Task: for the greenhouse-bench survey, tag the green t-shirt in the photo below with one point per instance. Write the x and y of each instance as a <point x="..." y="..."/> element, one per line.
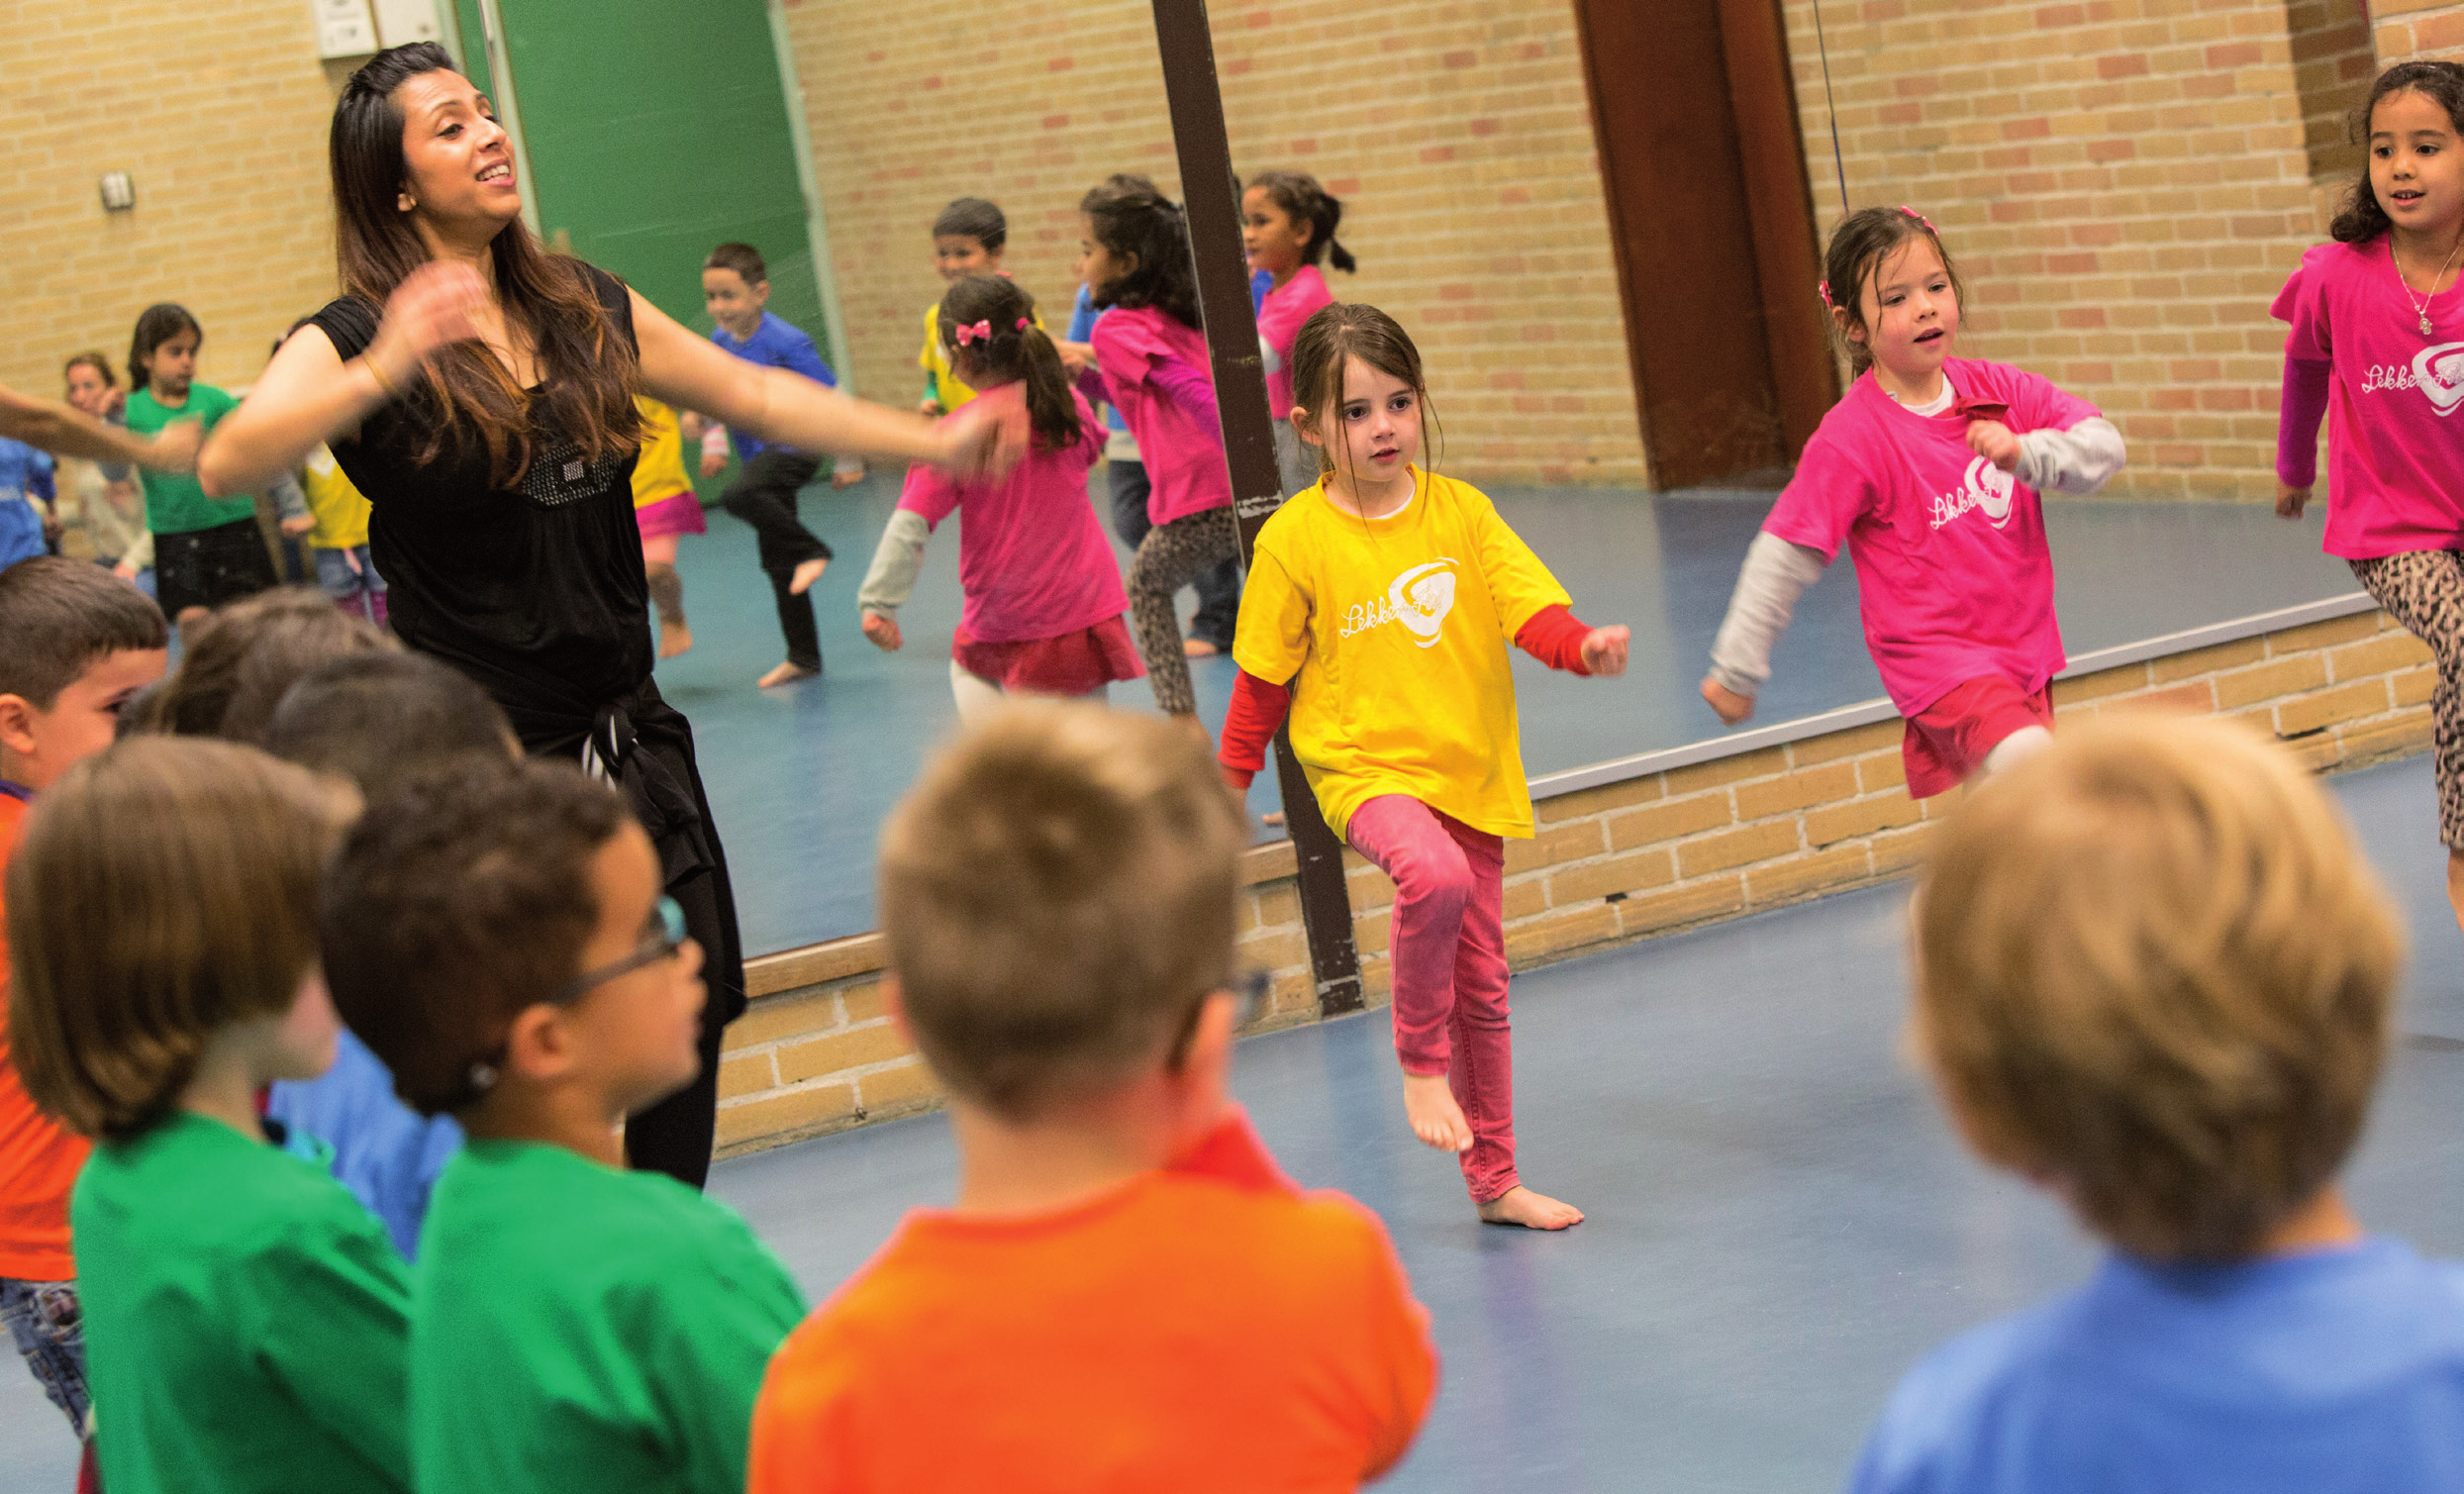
<point x="246" y="1320"/>
<point x="175" y="501"/>
<point x="578" y="1327"/>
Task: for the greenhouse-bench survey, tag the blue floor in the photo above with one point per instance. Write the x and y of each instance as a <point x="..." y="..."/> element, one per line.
<point x="1779" y="1221"/>
<point x="801" y="779"/>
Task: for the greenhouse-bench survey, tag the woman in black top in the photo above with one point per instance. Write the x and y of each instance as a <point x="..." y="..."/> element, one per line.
<point x="479" y="393"/>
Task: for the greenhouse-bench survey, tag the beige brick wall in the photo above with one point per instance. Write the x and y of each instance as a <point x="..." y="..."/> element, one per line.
<point x="2409" y="29"/>
<point x="218" y="108"/>
<point x="1457" y="133"/>
<point x="1619" y="863"/>
<point x="2125" y="182"/>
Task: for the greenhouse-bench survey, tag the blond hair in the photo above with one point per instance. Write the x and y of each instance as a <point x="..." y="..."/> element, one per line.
<point x="2152" y="967"/>
<point x="1058" y="896"/>
<point x="205" y="857"/>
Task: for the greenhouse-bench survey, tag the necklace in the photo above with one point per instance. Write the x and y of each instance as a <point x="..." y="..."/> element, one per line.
<point x="2421" y="308"/>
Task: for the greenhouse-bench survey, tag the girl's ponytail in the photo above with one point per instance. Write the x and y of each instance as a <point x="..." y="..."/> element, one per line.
<point x="1303" y="199"/>
<point x="992" y="322"/>
<point x="1052" y="405"/>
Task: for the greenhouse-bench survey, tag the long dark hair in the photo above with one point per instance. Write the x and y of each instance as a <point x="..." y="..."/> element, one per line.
<point x="1012" y="347"/>
<point x="1134" y="220"/>
<point x="587" y="371"/>
<point x="2363" y="217"/>
<point x="1333" y="336"/>
<point x="155" y="325"/>
<point x="1863" y="240"/>
<point x="1303" y="200"/>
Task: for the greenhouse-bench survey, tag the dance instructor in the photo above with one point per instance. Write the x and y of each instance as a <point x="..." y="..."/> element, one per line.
<point x="480" y="393"/>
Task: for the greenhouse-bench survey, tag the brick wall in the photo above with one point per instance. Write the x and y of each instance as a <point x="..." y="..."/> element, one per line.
<point x="2127" y="183"/>
<point x="2334" y="61"/>
<point x="1627" y="860"/>
<point x="1457" y="133"/>
<point x="218" y="108"/>
<point x="2409" y="29"/>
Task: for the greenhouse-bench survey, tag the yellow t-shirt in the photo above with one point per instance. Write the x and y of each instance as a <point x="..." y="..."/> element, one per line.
<point x="1392" y="633"/>
<point x="341" y="514"/>
<point x="658" y="472"/>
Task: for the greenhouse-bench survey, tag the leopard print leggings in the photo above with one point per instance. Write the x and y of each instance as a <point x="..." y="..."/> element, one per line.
<point x="2423" y="589"/>
<point x="1169" y="559"/>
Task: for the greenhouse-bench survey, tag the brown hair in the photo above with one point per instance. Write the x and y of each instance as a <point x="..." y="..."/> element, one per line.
<point x="458" y="899"/>
<point x="974" y="218"/>
<point x="58" y="618"/>
<point x="1135" y="220"/>
<point x="241" y="659"/>
<point x="156" y="325"/>
<point x="1333" y="336"/>
<point x="1305" y="200"/>
<point x="2152" y="967"/>
<point x="1056" y="895"/>
<point x="586" y="367"/>
<point x="2363" y="217"/>
<point x="382" y="719"/>
<point x="1012" y="347"/>
<point x="205" y="855"/>
<point x="1863" y="240"/>
<point x="92" y="358"/>
<point x="742" y="258"/>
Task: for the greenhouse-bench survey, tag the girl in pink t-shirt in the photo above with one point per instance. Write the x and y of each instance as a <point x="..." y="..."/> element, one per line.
<point x="1287" y="226"/>
<point x="1152" y="362"/>
<point x="1929" y="468"/>
<point x="1043" y="600"/>
<point x="2378" y="336"/>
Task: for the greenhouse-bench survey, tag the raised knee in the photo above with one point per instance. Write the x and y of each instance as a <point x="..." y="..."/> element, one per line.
<point x="1440" y="875"/>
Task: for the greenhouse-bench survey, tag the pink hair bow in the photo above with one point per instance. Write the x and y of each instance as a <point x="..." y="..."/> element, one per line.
<point x="1823" y="287"/>
<point x="1921" y="218"/>
<point x="966" y="335"/>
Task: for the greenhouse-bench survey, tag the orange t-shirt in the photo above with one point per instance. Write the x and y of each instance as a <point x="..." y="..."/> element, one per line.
<point x="1205" y="1328"/>
<point x="39" y="1160"/>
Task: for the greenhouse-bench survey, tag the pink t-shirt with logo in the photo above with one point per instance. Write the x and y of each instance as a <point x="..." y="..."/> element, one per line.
<point x="2395" y="442"/>
<point x="1184" y="455"/>
<point x="1279" y="318"/>
<point x="1954" y="579"/>
<point x="1032" y="562"/>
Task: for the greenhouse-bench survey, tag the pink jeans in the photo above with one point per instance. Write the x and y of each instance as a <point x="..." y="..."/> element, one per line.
<point x="1449" y="957"/>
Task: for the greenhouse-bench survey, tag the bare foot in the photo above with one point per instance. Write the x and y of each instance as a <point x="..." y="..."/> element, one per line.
<point x="806" y="574"/>
<point x="785" y="675"/>
<point x="1436" y="1119"/>
<point x="1198" y="648"/>
<point x="674" y="640"/>
<point x="1271" y="817"/>
<point x="1533" y="1210"/>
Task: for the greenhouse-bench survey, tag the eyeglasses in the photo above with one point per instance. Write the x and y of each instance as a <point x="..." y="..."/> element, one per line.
<point x="1248" y="992"/>
<point x="664" y="938"/>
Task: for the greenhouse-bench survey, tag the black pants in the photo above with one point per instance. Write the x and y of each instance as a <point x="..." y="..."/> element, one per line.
<point x="763" y="495"/>
<point x="206" y="567"/>
<point x="1219" y="586"/>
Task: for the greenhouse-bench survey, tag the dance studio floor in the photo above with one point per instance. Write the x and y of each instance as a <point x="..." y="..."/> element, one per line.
<point x="799" y="778"/>
<point x="1779" y="1222"/>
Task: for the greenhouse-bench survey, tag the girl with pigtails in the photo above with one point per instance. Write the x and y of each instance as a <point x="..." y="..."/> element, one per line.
<point x="1929" y="470"/>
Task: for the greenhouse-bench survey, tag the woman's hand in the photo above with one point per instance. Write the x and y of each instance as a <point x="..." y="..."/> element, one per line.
<point x="2290" y="500"/>
<point x="882" y="632"/>
<point x="1733" y="709"/>
<point x="1993" y="440"/>
<point x="174" y="450"/>
<point x="1604" y="651"/>
<point x="982" y="444"/>
<point x="435" y="305"/>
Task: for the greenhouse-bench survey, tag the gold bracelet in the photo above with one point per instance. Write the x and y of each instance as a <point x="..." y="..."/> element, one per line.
<point x="383" y="383"/>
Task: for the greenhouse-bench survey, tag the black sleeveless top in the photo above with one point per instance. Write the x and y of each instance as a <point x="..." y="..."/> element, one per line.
<point x="535" y="591"/>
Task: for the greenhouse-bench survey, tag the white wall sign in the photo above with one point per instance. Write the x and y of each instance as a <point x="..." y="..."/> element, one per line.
<point x="343" y="27"/>
<point x="399" y="23"/>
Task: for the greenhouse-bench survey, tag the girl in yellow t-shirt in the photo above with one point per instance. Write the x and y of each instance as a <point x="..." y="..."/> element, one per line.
<point x="1377" y="613"/>
<point x="667" y="509"/>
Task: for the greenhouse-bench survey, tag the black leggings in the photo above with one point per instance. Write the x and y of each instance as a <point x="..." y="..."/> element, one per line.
<point x="763" y="495"/>
<point x="206" y="567"/>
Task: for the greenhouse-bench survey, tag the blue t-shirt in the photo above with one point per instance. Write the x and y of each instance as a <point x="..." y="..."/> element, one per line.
<point x="2341" y="1370"/>
<point x="773" y="344"/>
<point x="384" y="1151"/>
<point x="24" y="473"/>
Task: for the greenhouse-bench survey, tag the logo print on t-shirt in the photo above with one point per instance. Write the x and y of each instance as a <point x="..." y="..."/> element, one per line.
<point x="1419" y="599"/>
<point x="1984" y="486"/>
<point x="2439" y="374"/>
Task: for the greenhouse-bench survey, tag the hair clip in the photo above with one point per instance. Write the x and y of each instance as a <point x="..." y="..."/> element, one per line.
<point x="1921" y="218"/>
<point x="980" y="331"/>
<point x="1823" y="288"/>
<point x="1022" y="324"/>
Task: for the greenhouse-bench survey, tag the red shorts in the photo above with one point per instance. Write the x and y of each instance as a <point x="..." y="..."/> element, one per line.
<point x="675" y="514"/>
<point x="1072" y="664"/>
<point x="1947" y="741"/>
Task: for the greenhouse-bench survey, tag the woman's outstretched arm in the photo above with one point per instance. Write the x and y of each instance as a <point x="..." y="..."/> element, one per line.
<point x="69" y="432"/>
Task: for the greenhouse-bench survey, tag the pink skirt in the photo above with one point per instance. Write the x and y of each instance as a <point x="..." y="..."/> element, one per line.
<point x="1071" y="664"/>
<point x="675" y="514"/>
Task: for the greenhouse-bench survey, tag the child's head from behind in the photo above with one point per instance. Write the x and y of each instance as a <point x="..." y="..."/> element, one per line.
<point x="495" y="930"/>
<point x="988" y="326"/>
<point x="2411" y="129"/>
<point x="1058" y="895"/>
<point x="1287" y="220"/>
<point x="969" y="237"/>
<point x="735" y="287"/>
<point x="242" y="659"/>
<point x="206" y="854"/>
<point x="1895" y="297"/>
<point x="1359" y="393"/>
<point x="163" y="353"/>
<point x="77" y="642"/>
<point x="380" y="719"/>
<point x="1134" y="249"/>
<point x="2154" y="973"/>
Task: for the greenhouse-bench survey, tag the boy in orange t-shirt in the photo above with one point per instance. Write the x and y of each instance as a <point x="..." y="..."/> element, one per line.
<point x="1128" y="1293"/>
<point x="75" y="642"/>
